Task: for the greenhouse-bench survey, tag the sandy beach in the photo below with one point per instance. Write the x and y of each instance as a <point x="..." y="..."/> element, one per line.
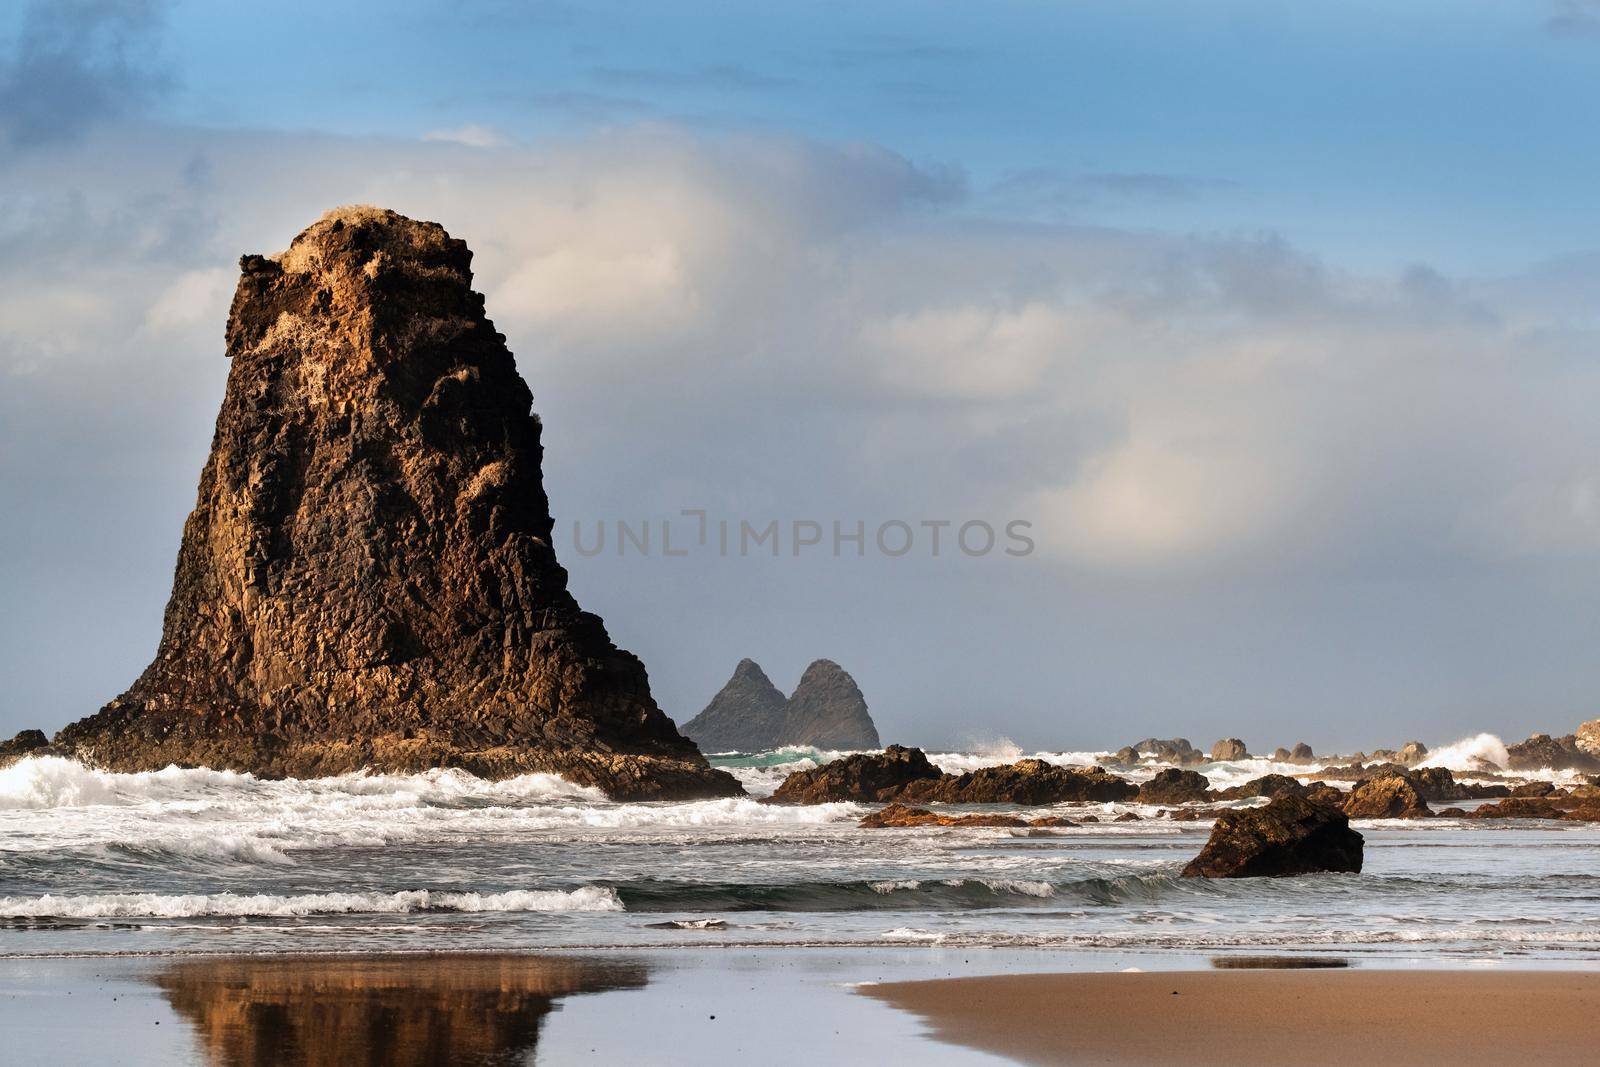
<point x="1263" y="1017"/>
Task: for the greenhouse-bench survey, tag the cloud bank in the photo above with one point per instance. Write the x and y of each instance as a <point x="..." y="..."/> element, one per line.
<point x="1225" y="445"/>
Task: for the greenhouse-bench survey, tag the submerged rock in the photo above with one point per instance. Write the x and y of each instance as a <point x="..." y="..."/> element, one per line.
<point x="1230" y="749"/>
<point x="867" y="776"/>
<point x="746" y="715"/>
<point x="1291" y="835"/>
<point x="1174" y="786"/>
<point x="898" y="815"/>
<point x="367" y="578"/>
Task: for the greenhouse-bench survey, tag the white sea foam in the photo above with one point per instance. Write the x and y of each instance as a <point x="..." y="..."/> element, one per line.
<point x="192" y="905"/>
<point x="1464" y="755"/>
<point x="49" y="803"/>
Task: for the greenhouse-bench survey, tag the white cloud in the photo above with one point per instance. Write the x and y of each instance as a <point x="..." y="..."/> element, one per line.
<point x="194" y="297"/>
<point x="473" y="135"/>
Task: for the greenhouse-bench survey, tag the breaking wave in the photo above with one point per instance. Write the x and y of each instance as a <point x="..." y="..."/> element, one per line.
<point x="1469" y="754"/>
<point x="211" y="905"/>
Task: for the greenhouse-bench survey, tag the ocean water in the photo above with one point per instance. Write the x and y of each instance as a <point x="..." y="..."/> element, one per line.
<point x="198" y="861"/>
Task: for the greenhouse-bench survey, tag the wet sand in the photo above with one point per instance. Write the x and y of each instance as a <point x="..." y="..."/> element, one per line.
<point x="1462" y="1018"/>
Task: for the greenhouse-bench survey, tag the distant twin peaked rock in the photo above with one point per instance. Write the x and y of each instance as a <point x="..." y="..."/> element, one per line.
<point x="826" y="710"/>
<point x="367" y="579"/>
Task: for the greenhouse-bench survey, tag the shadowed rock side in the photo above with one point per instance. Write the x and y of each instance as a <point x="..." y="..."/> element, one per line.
<point x="367" y="578"/>
<point x="745" y="716"/>
<point x="367" y="1012"/>
<point x="827" y="710"/>
<point x="1291" y="835"/>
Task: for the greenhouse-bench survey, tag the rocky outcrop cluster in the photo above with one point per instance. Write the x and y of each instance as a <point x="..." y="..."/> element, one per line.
<point x="367" y="579"/>
<point x="1291" y="835"/>
<point x="1557" y="753"/>
<point x="749" y="714"/>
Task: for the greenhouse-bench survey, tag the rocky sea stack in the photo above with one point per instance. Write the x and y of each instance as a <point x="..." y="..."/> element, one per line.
<point x="749" y="714"/>
<point x="367" y="579"/>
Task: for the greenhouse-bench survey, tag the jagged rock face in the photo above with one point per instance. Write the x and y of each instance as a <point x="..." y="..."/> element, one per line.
<point x="1291" y="835"/>
<point x="367" y="578"/>
<point x="827" y="710"/>
<point x="1412" y="753"/>
<point x="1557" y="753"/>
<point x="747" y="715"/>
<point x="1301" y="751"/>
<point x="1587" y="738"/>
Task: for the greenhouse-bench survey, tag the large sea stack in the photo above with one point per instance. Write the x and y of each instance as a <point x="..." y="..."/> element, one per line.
<point x="367" y="579"/>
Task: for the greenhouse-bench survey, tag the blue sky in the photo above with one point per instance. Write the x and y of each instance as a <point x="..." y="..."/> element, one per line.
<point x="1278" y="321"/>
<point x="1379" y="133"/>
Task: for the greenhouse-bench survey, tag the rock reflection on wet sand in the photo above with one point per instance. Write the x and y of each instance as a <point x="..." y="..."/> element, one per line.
<point x="406" y="1010"/>
<point x="1277" y="963"/>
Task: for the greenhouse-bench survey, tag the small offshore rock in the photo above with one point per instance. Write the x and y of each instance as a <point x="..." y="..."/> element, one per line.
<point x="1389" y="796"/>
<point x="1291" y="835"/>
<point x="1229" y="749"/>
<point x="1175" y="786"/>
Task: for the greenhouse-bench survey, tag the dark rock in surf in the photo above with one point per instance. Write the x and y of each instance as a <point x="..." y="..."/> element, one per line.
<point x="867" y="776"/>
<point x="1029" y="782"/>
<point x="25" y="743"/>
<point x="1301" y="752"/>
<point x="1268" y="785"/>
<point x="367" y="579"/>
<point x="905" y="775"/>
<point x="1175" y="786"/>
<point x="1291" y="835"/>
<point x="1389" y="796"/>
